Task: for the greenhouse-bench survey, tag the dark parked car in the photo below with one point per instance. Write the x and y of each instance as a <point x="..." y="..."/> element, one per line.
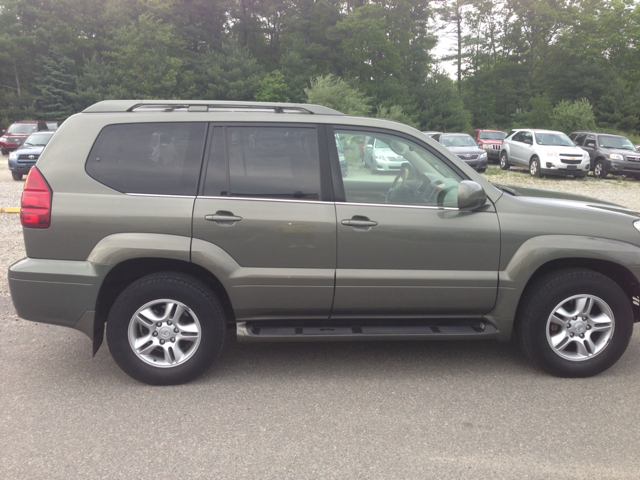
<point x="26" y="156"/>
<point x="609" y="154"/>
<point x="17" y="133"/>
<point x="170" y="222"/>
<point x="465" y="148"/>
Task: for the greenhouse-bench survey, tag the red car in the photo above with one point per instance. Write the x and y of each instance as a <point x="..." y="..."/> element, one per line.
<point x="17" y="133"/>
<point x="490" y="141"/>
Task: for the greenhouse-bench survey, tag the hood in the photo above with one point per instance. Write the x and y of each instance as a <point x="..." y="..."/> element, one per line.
<point x="620" y="151"/>
<point x="29" y="150"/>
<point x="567" y="199"/>
<point x="490" y="141"/>
<point x="577" y="151"/>
<point x="463" y="150"/>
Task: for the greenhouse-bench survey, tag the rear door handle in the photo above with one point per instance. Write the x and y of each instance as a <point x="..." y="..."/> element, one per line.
<point x="223" y="217"/>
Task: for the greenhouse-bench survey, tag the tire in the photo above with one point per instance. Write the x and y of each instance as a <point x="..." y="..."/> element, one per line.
<point x="636" y="177"/>
<point x="482" y="170"/>
<point x="554" y="298"/>
<point x="146" y="313"/>
<point x="16" y="175"/>
<point x="504" y="161"/>
<point x="534" y="167"/>
<point x="374" y="170"/>
<point x="5" y="152"/>
<point x="600" y="169"/>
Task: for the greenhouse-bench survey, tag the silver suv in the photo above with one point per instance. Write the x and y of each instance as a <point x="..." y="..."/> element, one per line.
<point x="544" y="152"/>
<point x="172" y="221"/>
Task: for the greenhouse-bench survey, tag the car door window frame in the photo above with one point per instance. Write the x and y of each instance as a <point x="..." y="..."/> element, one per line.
<point x="338" y="185"/>
<point x="325" y="171"/>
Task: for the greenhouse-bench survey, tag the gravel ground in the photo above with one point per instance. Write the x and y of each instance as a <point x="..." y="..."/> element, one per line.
<point x="619" y="190"/>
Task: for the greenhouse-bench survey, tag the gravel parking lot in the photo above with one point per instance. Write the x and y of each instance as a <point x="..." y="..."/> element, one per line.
<point x="336" y="410"/>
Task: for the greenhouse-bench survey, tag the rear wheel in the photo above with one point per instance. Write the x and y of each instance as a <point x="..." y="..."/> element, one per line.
<point x="166" y="328"/>
<point x="5" y="152"/>
<point x="504" y="161"/>
<point x="600" y="169"/>
<point x="575" y="323"/>
<point x="16" y="175"/>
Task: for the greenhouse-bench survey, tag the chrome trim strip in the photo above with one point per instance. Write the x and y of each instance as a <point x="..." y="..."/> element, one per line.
<point x="259" y="199"/>
<point x="159" y="195"/>
<point x="327" y="203"/>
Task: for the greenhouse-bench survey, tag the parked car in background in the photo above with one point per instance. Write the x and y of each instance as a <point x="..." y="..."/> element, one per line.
<point x="53" y="126"/>
<point x="17" y="133"/>
<point x="26" y="156"/>
<point x="344" y="167"/>
<point x="609" y="153"/>
<point x="431" y="134"/>
<point x="465" y="148"/>
<point x="490" y="141"/>
<point x="544" y="152"/>
<point x="379" y="157"/>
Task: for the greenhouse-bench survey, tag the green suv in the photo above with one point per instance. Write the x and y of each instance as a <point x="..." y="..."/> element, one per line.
<point x="172" y="221"/>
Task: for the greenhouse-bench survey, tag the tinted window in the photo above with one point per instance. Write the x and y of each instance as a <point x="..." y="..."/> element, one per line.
<point x="154" y="158"/>
<point x="22" y="128"/>
<point x="579" y="139"/>
<point x="493" y="135"/>
<point x="518" y="137"/>
<point x="273" y="162"/>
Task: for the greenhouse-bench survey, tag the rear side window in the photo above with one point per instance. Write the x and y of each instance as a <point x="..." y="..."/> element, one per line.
<point x="270" y="162"/>
<point x="153" y="158"/>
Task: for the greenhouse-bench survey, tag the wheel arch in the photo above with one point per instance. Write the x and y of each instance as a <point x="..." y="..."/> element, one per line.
<point x="616" y="272"/>
<point x="128" y="271"/>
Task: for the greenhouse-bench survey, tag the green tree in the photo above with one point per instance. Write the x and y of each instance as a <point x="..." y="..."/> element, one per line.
<point x="56" y="84"/>
<point x="395" y="113"/>
<point x="273" y="88"/>
<point x="570" y="116"/>
<point x="333" y="92"/>
<point x="440" y="106"/>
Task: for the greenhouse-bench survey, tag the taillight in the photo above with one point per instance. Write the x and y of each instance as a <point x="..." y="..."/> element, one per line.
<point x="35" y="211"/>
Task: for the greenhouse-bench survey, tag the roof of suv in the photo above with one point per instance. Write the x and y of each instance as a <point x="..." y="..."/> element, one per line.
<point x="597" y="133"/>
<point x="113" y="106"/>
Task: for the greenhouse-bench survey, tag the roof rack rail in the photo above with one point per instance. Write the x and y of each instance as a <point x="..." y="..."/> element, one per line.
<point x="114" y="106"/>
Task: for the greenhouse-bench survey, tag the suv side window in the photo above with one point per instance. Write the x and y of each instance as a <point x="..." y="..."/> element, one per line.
<point x="152" y="158"/>
<point x="273" y="162"/>
<point x="579" y="140"/>
<point x="518" y="137"/>
<point x="412" y="174"/>
<point x="527" y="138"/>
<point x="590" y="141"/>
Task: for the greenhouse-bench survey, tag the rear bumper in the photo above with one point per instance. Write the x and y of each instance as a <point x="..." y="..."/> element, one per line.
<point x="57" y="292"/>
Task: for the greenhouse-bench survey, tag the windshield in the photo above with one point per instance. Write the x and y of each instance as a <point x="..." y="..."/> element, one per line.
<point x="380" y="144"/>
<point x="22" y="128"/>
<point x="493" y="135"/>
<point x="38" y="139"/>
<point x="457" y="141"/>
<point x="614" y="141"/>
<point x="553" y="139"/>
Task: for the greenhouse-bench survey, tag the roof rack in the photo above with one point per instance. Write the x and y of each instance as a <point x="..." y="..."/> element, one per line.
<point x="114" y="106"/>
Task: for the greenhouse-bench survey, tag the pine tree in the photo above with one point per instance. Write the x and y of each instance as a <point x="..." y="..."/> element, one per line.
<point x="56" y="84"/>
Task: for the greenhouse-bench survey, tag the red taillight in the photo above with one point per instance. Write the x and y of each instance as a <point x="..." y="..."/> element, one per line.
<point x="35" y="205"/>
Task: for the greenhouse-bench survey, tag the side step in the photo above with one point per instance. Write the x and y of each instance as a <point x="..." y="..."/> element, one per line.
<point x="389" y="330"/>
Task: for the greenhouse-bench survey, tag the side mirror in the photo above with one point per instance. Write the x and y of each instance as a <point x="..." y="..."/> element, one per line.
<point x="470" y="195"/>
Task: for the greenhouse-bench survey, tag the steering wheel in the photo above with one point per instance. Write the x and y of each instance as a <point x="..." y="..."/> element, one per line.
<point x="399" y="182"/>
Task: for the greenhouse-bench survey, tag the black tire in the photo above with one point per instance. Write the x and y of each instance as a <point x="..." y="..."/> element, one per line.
<point x="16" y="175"/>
<point x="149" y="292"/>
<point x="504" y="161"/>
<point x="600" y="169"/>
<point x="482" y="170"/>
<point x="534" y="167"/>
<point x="534" y="326"/>
<point x="5" y="152"/>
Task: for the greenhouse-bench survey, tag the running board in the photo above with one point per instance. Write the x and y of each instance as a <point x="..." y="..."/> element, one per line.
<point x="283" y="332"/>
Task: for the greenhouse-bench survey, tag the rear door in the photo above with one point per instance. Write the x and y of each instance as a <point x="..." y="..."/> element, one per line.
<point x="264" y="204"/>
<point x="404" y="248"/>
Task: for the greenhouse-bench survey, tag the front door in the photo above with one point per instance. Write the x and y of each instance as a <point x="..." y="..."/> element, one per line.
<point x="404" y="248"/>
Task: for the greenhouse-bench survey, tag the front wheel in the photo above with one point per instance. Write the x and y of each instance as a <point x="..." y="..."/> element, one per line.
<point x="166" y="328"/>
<point x="534" y="167"/>
<point x="575" y="323"/>
<point x="16" y="175"/>
<point x="504" y="161"/>
<point x="5" y="152"/>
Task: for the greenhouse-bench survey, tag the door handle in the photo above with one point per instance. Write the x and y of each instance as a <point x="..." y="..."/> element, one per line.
<point x="223" y="217"/>
<point x="358" y="221"/>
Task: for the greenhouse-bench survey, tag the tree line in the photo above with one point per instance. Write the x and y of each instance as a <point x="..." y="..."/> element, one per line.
<point x="539" y="63"/>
